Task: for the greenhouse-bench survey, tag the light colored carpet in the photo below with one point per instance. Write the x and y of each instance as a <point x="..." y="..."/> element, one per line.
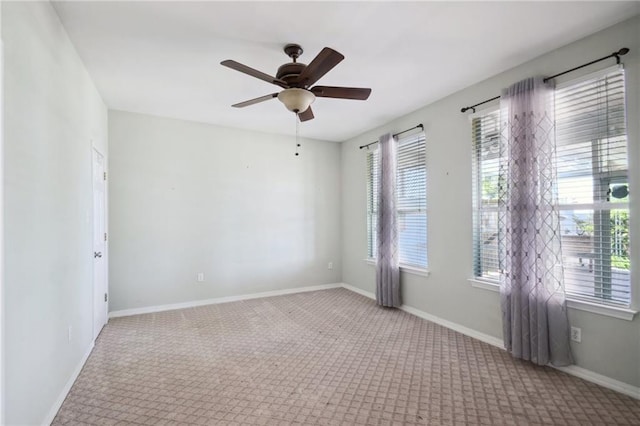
<point x="322" y="358"/>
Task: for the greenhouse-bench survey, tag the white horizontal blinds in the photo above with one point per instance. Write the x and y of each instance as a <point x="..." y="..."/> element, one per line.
<point x="412" y="201"/>
<point x="372" y="202"/>
<point x="486" y="152"/>
<point x="593" y="186"/>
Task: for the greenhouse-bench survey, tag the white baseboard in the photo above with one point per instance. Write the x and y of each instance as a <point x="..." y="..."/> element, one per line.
<point x="217" y="300"/>
<point x="599" y="379"/>
<point x="495" y="341"/>
<point x="65" y="391"/>
<point x="574" y="370"/>
<point x="486" y="338"/>
<point x="360" y="291"/>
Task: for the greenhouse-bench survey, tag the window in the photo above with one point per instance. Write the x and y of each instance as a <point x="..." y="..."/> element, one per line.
<point x="593" y="188"/>
<point x="486" y="154"/>
<point x="411" y="203"/>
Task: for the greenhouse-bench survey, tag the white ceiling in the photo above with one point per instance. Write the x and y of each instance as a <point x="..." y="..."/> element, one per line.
<point x="163" y="58"/>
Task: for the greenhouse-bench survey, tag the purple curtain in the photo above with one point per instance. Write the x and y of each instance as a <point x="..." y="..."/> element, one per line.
<point x="534" y="312"/>
<point x="387" y="267"/>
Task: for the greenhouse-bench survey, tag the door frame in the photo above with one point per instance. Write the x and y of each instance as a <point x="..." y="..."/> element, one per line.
<point x="105" y="256"/>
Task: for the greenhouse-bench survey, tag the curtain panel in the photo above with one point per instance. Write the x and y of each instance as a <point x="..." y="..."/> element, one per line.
<point x="534" y="312"/>
<point x="387" y="266"/>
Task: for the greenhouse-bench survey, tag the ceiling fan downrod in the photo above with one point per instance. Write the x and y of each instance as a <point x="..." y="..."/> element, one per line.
<point x="294" y="51"/>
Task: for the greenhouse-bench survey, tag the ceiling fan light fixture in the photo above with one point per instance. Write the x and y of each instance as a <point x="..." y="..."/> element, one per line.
<point x="296" y="100"/>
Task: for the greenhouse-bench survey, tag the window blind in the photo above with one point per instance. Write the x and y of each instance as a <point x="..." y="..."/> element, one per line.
<point x="411" y="201"/>
<point x="373" y="165"/>
<point x="486" y="155"/>
<point x="593" y="186"/>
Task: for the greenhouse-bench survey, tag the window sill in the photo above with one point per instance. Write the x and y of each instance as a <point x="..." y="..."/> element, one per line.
<point x="408" y="269"/>
<point x="485" y="284"/>
<point x="581" y="305"/>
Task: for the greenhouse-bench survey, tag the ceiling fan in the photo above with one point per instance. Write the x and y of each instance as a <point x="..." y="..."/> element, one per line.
<point x="296" y="78"/>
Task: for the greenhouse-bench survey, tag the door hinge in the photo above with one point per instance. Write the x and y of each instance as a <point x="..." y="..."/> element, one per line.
<point x="105" y="175"/>
<point x="105" y="297"/>
<point x="105" y="236"/>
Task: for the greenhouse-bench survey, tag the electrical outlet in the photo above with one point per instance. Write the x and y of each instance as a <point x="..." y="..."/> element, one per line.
<point x="330" y="265"/>
<point x="69" y="333"/>
<point x="200" y="277"/>
<point x="576" y="334"/>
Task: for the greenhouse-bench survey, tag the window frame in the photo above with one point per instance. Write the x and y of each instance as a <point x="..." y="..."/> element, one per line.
<point x="478" y="207"/>
<point x="409" y="268"/>
<point x="601" y="206"/>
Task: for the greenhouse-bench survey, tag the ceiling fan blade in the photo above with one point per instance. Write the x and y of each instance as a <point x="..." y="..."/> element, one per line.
<point x="306" y="116"/>
<point x="254" y="73"/>
<point x="321" y="64"/>
<point x="255" y="101"/>
<point x="357" y="93"/>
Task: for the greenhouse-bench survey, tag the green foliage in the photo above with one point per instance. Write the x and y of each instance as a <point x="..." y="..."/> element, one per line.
<point x="620" y="262"/>
<point x="619" y="224"/>
<point x="490" y="187"/>
<point x="620" y="233"/>
<point x="585" y="227"/>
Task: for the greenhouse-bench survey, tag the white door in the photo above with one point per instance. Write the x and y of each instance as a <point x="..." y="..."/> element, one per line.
<point x="99" y="245"/>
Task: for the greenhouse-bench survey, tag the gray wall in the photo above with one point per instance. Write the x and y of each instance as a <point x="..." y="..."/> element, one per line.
<point x="52" y="113"/>
<point x="236" y="205"/>
<point x="609" y="346"/>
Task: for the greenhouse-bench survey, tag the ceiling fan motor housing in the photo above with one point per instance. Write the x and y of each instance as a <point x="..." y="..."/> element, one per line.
<point x="290" y="72"/>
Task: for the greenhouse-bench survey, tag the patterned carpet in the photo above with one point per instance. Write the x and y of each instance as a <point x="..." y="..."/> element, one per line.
<point x="323" y="358"/>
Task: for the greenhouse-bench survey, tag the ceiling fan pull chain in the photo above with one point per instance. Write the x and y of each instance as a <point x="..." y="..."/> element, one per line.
<point x="297" y="134"/>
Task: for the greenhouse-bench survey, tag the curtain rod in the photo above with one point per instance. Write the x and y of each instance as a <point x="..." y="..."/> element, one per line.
<point x="616" y="55"/>
<point x="397" y="134"/>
